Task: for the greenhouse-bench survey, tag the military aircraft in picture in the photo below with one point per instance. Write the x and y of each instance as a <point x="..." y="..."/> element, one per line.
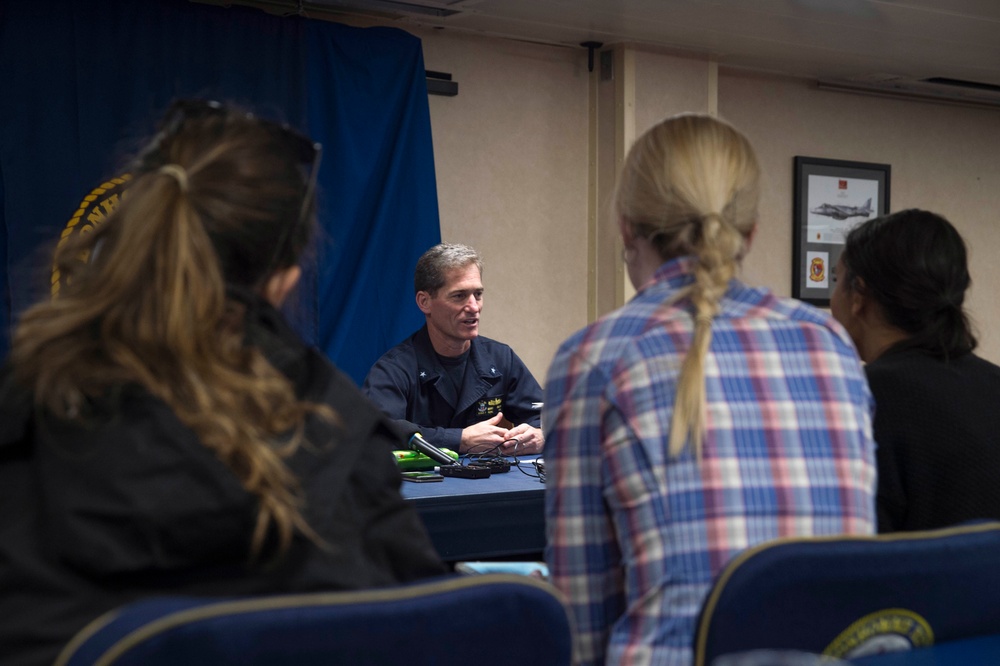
<point x="843" y="212"/>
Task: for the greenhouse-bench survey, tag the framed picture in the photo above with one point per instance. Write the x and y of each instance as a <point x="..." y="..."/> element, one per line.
<point x="831" y="198"/>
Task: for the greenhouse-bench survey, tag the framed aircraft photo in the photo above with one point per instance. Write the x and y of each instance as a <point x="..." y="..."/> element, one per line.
<point x="831" y="197"/>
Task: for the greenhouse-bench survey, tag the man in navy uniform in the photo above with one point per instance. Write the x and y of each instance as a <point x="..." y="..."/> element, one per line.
<point x="460" y="390"/>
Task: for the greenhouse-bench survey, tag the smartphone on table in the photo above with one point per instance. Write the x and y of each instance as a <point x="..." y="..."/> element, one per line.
<point x="422" y="477"/>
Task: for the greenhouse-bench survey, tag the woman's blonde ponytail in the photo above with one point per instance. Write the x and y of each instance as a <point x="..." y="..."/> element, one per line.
<point x="690" y="186"/>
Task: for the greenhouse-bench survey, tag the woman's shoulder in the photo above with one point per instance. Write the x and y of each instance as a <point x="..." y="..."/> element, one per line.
<point x="357" y="422"/>
<point x="605" y="339"/>
<point x="909" y="366"/>
<point x="761" y="303"/>
<point x="315" y="377"/>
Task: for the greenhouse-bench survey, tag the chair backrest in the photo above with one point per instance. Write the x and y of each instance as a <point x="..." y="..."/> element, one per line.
<point x="493" y="619"/>
<point x="851" y="596"/>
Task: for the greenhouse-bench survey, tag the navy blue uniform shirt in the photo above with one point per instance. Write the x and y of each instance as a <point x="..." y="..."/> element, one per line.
<point x="409" y="384"/>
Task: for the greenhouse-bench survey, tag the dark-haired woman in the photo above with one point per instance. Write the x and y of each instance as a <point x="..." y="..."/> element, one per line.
<point x="901" y="283"/>
<point x="163" y="430"/>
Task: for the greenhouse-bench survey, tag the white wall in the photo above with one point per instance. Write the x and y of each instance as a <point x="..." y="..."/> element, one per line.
<point x="511" y="158"/>
<point x="511" y="154"/>
<point x="943" y="158"/>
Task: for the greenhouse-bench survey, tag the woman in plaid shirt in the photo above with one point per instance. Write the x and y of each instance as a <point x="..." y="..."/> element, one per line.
<point x="703" y="417"/>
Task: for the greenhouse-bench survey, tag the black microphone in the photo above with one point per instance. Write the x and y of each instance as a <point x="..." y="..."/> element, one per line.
<point x="421" y="445"/>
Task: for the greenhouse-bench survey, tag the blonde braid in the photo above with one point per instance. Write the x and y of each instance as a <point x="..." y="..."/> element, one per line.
<point x="690" y="186"/>
<point x="716" y="266"/>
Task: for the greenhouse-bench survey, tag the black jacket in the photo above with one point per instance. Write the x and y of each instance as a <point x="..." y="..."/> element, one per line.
<point x="92" y="517"/>
<point x="937" y="427"/>
<point x="406" y="385"/>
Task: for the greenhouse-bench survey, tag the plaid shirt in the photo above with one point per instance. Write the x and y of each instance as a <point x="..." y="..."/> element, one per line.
<point x="636" y="537"/>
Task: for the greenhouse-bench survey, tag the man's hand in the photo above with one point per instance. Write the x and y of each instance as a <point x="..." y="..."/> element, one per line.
<point x="483" y="437"/>
<point x="522" y="440"/>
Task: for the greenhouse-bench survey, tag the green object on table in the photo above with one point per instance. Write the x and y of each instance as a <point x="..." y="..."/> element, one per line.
<point x="413" y="461"/>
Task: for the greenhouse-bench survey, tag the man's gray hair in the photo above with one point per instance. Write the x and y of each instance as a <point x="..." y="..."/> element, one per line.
<point x="440" y="259"/>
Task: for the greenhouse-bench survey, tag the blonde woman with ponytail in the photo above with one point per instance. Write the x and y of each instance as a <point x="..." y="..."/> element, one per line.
<point x="703" y="417"/>
<point x="164" y="430"/>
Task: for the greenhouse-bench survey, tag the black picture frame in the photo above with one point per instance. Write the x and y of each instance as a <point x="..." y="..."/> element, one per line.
<point x="831" y="197"/>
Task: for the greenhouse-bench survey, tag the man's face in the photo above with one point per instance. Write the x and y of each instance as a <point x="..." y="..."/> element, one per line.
<point x="454" y="311"/>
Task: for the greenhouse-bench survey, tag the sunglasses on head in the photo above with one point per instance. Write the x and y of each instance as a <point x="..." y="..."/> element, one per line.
<point x="183" y="110"/>
<point x="307" y="151"/>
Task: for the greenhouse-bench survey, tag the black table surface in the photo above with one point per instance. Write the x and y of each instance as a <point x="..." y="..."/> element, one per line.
<point x="502" y="516"/>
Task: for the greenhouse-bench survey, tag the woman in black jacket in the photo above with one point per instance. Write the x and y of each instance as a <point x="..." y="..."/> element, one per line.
<point x="900" y="293"/>
<point x="164" y="430"/>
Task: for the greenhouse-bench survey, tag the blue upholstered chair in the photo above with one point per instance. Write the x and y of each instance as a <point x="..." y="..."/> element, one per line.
<point x="852" y="596"/>
<point x="487" y="620"/>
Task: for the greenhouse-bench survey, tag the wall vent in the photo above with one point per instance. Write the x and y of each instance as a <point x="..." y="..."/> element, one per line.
<point x="931" y="89"/>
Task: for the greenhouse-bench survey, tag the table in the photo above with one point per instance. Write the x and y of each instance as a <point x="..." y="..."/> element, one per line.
<point x="502" y="516"/>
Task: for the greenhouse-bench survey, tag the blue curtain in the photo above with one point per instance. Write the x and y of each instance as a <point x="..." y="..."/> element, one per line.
<point x="84" y="82"/>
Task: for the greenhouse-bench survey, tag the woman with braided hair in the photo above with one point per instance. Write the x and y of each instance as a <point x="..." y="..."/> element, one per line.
<point x="900" y="293"/>
<point x="164" y="431"/>
<point x="703" y="417"/>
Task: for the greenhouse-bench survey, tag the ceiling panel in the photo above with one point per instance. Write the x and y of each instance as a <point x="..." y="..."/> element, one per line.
<point x="813" y="38"/>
